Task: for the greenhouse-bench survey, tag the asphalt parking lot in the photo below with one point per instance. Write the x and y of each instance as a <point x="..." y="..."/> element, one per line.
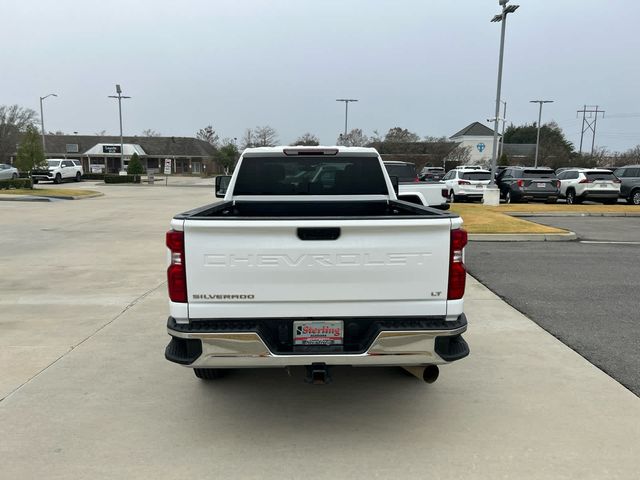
<point x="586" y="293"/>
<point x="85" y="391"/>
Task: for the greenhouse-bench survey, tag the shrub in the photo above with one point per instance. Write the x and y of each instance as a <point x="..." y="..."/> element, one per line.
<point x="135" y="166"/>
<point x="17" y="183"/>
<point x="122" y="179"/>
<point x="93" y="176"/>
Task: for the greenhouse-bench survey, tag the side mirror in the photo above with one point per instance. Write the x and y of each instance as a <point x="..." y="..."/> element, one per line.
<point x="222" y="183"/>
<point x="396" y="185"/>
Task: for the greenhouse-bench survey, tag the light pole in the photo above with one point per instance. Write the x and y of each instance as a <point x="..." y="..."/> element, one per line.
<point x="44" y="145"/>
<point x="492" y="196"/>
<point x="535" y="164"/>
<point x="504" y="120"/>
<point x="346" y="110"/>
<point x="119" y="96"/>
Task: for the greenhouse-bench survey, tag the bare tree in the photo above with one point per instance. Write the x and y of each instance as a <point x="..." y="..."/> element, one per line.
<point x="307" y="139"/>
<point x="101" y="133"/>
<point x="149" y="132"/>
<point x="401" y="135"/>
<point x="431" y="139"/>
<point x="355" y="138"/>
<point x="209" y="135"/>
<point x="265" y="136"/>
<point x="14" y="121"/>
<point x="459" y="155"/>
<point x="248" y="139"/>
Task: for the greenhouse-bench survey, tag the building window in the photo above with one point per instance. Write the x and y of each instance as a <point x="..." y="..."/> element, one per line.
<point x="195" y="167"/>
<point x="72" y="148"/>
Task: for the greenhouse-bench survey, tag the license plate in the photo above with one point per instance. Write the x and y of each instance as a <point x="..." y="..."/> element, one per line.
<point x="478" y="186"/>
<point x="603" y="185"/>
<point x="329" y="332"/>
<point x="541" y="185"/>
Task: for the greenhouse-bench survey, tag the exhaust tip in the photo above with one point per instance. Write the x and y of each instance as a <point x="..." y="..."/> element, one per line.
<point x="431" y="373"/>
<point x="428" y="374"/>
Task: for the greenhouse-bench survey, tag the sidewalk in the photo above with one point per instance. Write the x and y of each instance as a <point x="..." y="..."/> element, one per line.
<point x="521" y="406"/>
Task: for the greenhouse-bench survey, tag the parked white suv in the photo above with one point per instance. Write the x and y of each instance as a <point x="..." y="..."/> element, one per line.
<point x="58" y="169"/>
<point x="466" y="183"/>
<point x="596" y="184"/>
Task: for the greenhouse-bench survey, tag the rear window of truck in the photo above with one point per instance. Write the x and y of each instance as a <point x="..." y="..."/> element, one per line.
<point x="310" y="175"/>
<point x="405" y="172"/>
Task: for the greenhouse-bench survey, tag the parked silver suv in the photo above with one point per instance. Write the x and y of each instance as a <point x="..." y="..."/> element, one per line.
<point x="596" y="184"/>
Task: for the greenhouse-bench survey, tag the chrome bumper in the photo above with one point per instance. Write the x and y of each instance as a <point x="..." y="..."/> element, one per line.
<point x="247" y="349"/>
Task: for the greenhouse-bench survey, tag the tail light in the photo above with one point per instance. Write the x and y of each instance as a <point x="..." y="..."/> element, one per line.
<point x="557" y="182"/>
<point x="416" y="180"/>
<point x="463" y="182"/>
<point x="617" y="180"/>
<point x="585" y="180"/>
<point x="457" y="270"/>
<point x="176" y="274"/>
<point x="520" y="183"/>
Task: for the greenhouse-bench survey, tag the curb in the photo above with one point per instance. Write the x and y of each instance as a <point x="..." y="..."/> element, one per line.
<point x="576" y="214"/>
<point x="22" y="198"/>
<point x="523" y="237"/>
<point x="48" y="198"/>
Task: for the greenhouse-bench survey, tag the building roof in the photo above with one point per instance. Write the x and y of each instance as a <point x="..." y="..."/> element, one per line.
<point x="475" y="129"/>
<point x="152" y="146"/>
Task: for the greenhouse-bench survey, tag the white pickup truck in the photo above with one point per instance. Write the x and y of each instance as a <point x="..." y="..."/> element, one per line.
<point x="296" y="268"/>
<point x="411" y="189"/>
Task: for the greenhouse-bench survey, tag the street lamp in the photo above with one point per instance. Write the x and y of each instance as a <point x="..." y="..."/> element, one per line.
<point x="119" y="96"/>
<point x="539" y="119"/>
<point x="346" y="110"/>
<point x="492" y="195"/>
<point x="44" y="146"/>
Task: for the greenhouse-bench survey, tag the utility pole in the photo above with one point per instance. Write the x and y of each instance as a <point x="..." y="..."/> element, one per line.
<point x="589" y="124"/>
<point x="119" y="96"/>
<point x="44" y="146"/>
<point x="346" y="110"/>
<point x="535" y="164"/>
<point x="491" y="193"/>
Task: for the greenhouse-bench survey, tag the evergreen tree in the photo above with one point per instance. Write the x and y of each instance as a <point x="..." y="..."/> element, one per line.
<point x="135" y="165"/>
<point x="30" y="153"/>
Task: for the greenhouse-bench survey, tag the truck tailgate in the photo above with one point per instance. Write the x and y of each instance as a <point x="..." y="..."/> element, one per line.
<point x="375" y="267"/>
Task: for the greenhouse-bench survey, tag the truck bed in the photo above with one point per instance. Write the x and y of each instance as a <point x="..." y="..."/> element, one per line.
<point x="272" y="210"/>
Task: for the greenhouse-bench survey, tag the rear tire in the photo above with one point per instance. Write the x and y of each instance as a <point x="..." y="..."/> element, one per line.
<point x="634" y="197"/>
<point x="209" y="373"/>
<point x="508" y="198"/>
<point x="14" y="176"/>
<point x="452" y="197"/>
<point x="58" y="178"/>
<point x="78" y="177"/>
<point x="571" y="197"/>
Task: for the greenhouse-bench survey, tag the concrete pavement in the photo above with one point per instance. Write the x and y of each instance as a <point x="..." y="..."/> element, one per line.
<point x="82" y="326"/>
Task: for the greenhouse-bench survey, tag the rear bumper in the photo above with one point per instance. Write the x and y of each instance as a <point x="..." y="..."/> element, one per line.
<point x="427" y="341"/>
<point x="601" y="194"/>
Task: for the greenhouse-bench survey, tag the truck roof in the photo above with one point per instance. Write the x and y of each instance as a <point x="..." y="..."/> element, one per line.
<point x="281" y="149"/>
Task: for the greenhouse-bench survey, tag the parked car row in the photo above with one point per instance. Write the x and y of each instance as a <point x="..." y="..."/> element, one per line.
<point x="519" y="184"/>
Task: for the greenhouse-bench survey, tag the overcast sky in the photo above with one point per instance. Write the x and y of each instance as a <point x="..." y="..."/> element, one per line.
<point x="429" y="66"/>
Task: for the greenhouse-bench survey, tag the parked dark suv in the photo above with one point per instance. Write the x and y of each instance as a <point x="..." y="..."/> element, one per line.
<point x="432" y="174"/>
<point x="629" y="175"/>
<point x="519" y="184"/>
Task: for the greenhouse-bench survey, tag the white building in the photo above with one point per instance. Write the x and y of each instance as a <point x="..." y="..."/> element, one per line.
<point x="480" y="138"/>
